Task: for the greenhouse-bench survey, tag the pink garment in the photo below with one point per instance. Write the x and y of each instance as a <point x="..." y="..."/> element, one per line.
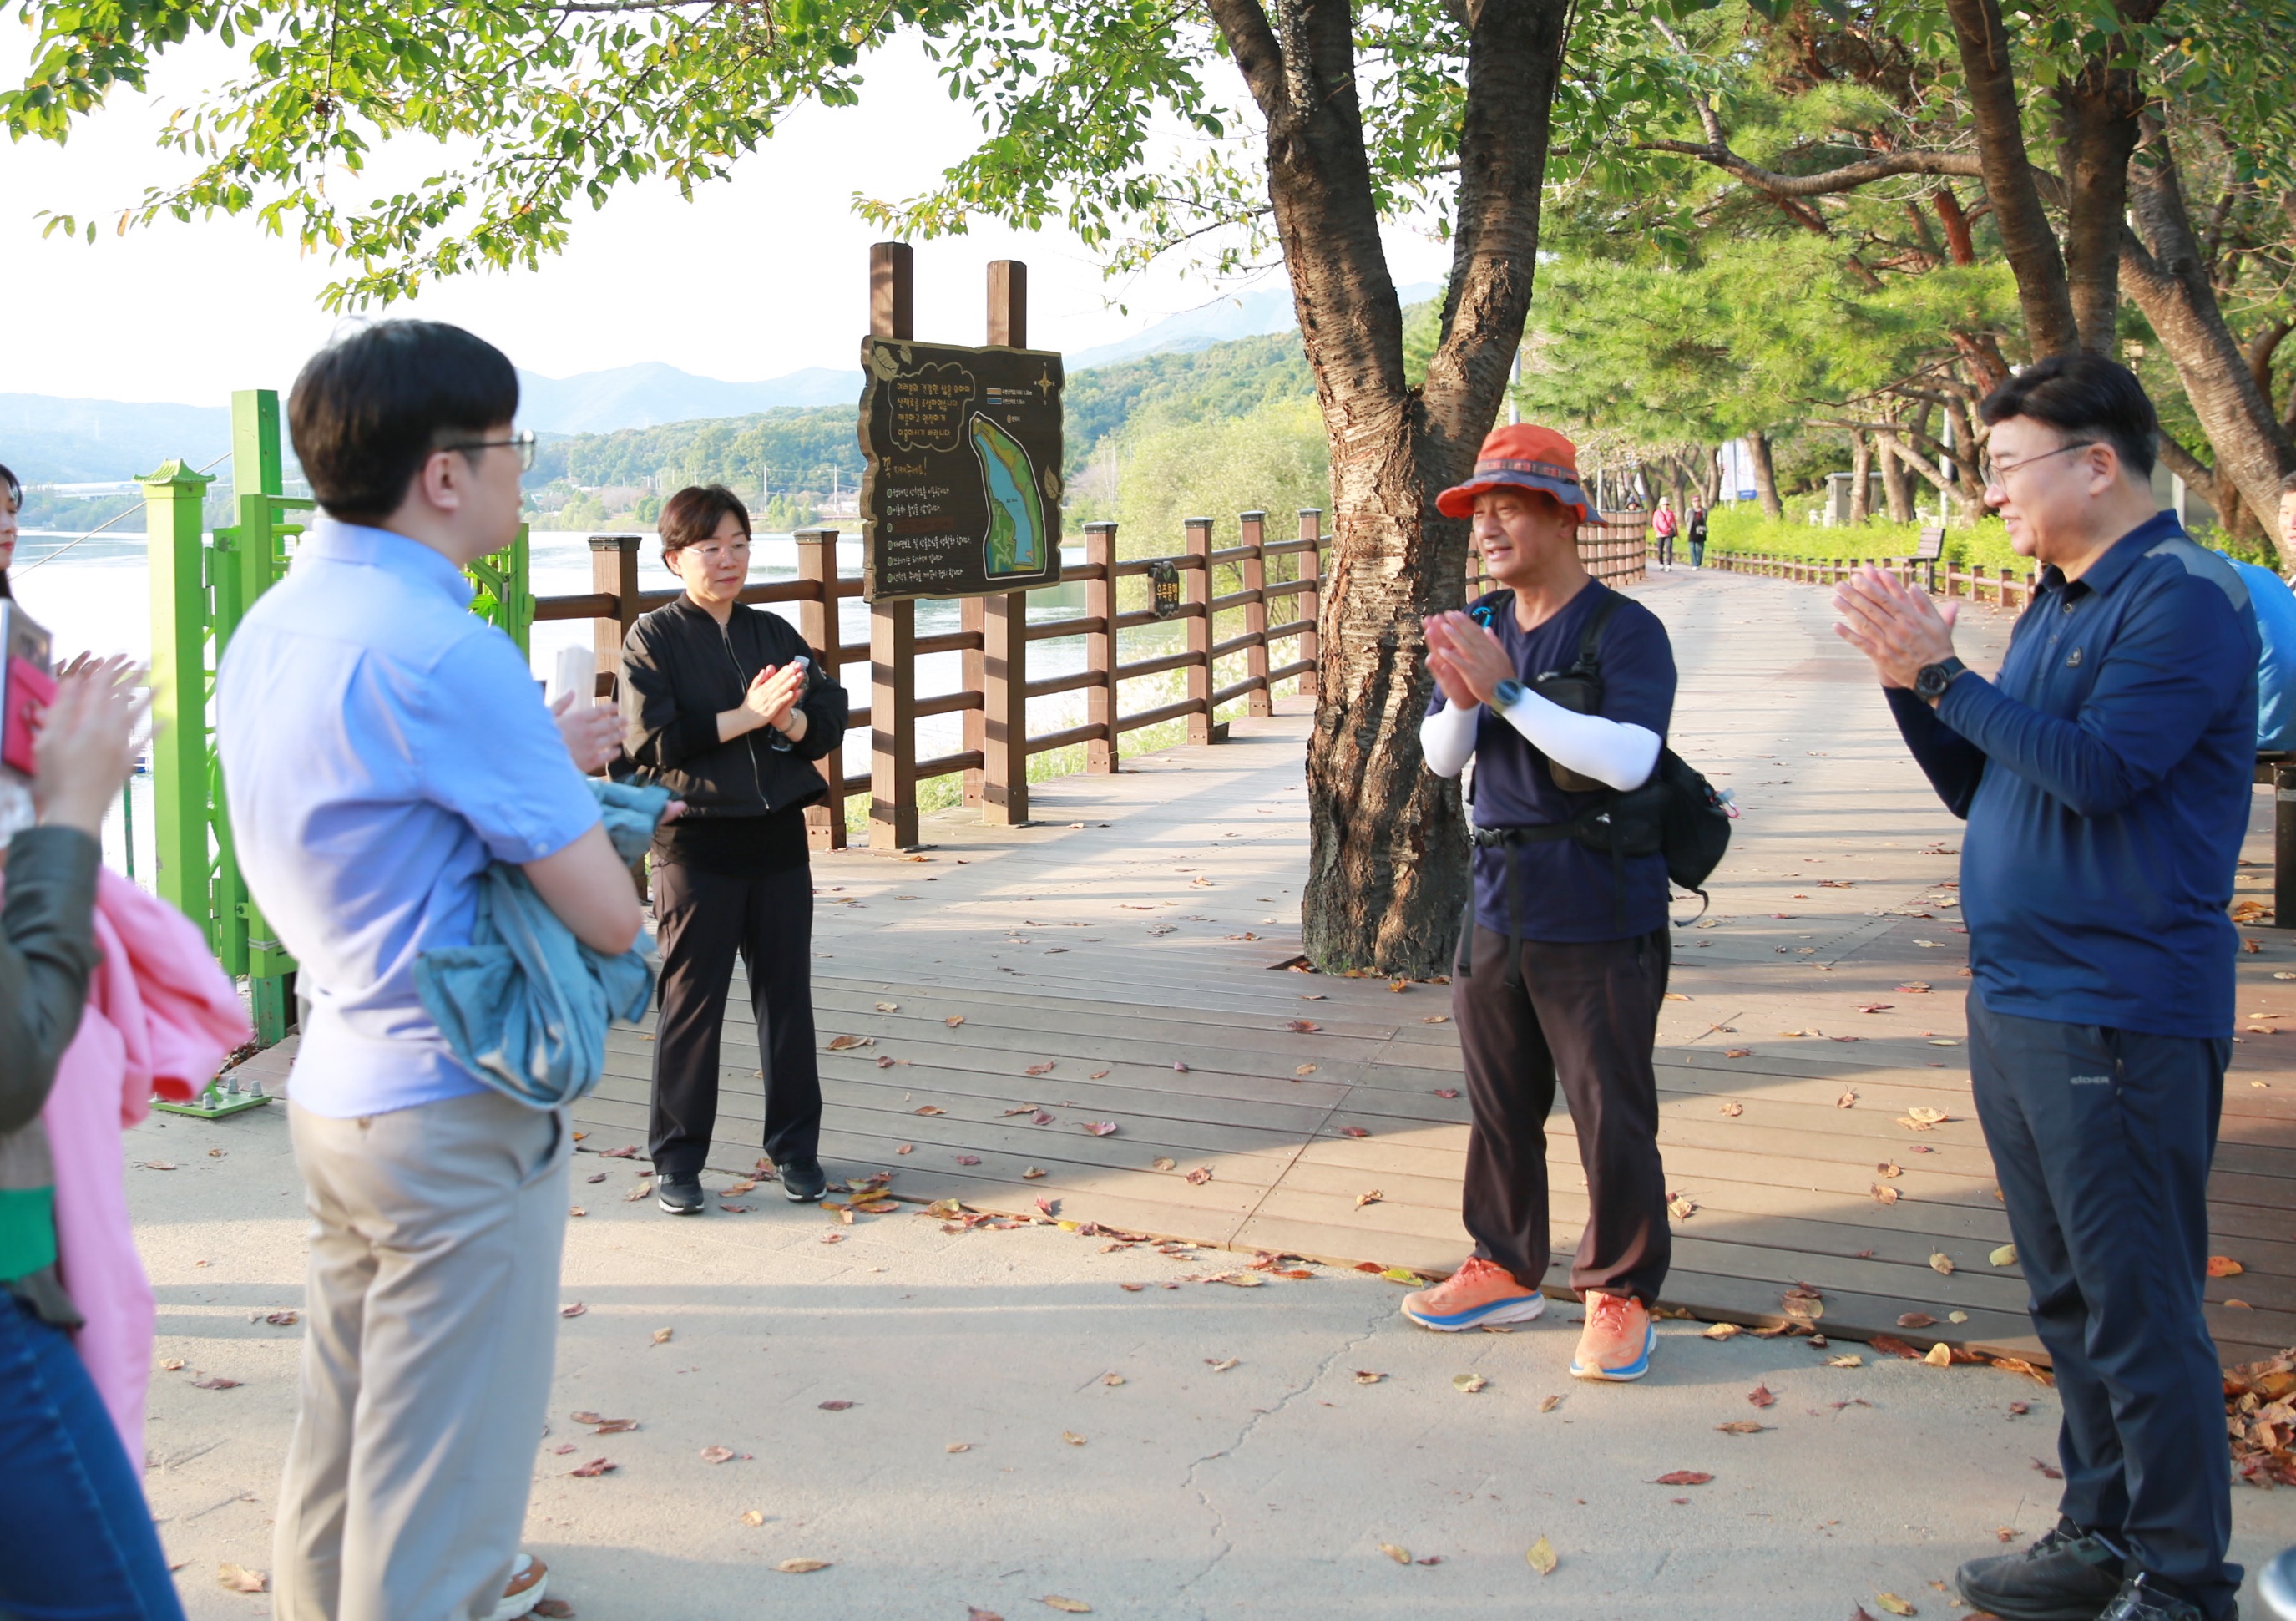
<point x="161" y="1016"/>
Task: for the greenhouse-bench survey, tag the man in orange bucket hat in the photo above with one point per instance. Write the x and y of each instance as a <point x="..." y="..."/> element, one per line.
<point x="1561" y="689"/>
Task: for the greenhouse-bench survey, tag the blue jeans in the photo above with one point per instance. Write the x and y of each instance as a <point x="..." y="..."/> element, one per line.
<point x="2101" y="1141"/>
<point x="76" y="1542"/>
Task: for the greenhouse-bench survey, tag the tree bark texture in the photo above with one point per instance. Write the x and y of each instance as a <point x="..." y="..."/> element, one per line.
<point x="2168" y="278"/>
<point x="1766" y="474"/>
<point x="1388" y="852"/>
<point x="1861" y="477"/>
<point x="1897" y="483"/>
<point x="1990" y="80"/>
<point x="2097" y="130"/>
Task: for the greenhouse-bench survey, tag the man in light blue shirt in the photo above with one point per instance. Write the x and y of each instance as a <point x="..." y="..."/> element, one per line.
<point x="2276" y="673"/>
<point x="380" y="745"/>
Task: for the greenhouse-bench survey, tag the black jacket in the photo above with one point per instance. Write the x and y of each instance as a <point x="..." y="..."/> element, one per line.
<point x="681" y="669"/>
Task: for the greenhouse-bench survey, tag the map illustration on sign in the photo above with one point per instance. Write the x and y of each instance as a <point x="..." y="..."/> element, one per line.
<point x="1016" y="512"/>
<point x="962" y="494"/>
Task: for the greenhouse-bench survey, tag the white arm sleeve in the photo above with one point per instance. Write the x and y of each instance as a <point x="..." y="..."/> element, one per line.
<point x="1447" y="737"/>
<point x="1608" y="751"/>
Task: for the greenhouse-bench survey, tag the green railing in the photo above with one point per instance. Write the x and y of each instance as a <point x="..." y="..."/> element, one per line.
<point x="202" y="586"/>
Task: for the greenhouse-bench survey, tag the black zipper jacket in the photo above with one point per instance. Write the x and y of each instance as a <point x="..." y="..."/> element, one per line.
<point x="681" y="669"/>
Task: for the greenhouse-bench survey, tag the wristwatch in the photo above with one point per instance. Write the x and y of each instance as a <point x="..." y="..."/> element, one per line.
<point x="1507" y="694"/>
<point x="1931" y="680"/>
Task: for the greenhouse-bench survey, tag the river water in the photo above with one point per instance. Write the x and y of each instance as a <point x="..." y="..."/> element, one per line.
<point x="95" y="594"/>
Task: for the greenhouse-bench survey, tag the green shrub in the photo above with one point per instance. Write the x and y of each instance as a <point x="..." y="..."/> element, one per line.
<point x="1746" y="530"/>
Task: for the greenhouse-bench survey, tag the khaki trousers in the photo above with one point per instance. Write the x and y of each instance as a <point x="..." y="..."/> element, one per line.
<point x="436" y="1233"/>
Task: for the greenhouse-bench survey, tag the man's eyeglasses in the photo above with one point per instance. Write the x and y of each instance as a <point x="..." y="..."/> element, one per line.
<point x="1997" y="473"/>
<point x="522" y="443"/>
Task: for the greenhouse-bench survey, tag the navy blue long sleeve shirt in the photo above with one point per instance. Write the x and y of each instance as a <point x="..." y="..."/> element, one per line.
<point x="2105" y="778"/>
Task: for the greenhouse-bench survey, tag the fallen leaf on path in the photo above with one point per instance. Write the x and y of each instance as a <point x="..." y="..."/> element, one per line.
<point x="889" y="1007"/>
<point x="1722" y="1330"/>
<point x="752" y="1517"/>
<point x="2224" y="1266"/>
<point x="1741" y="1427"/>
<point x="1301" y="1025"/>
<point x="1305" y="1069"/>
<point x="1200" y="1175"/>
<point x="838" y="1405"/>
<point x="1436" y="1018"/>
<point x="1802" y="1303"/>
<point x="1848" y="1359"/>
<point x="171" y="1365"/>
<point x="1162" y="1163"/>
<point x="967" y="1159"/>
<point x="1447" y="1091"/>
<point x="217" y="1383"/>
<point x="1039" y="1069"/>
<point x="164" y="1165"/>
<point x="599" y="1178"/>
<point x="1400" y="1555"/>
<point x="576" y="1310"/>
<point x="1100" y="1128"/>
<point x="2006" y="1255"/>
<point x="662" y="1337"/>
<point x="1885" y="1195"/>
<point x="1874" y="1007"/>
<point x="845" y="1043"/>
<point x="594" y="1468"/>
<point x="1847" y="1100"/>
<point x="239" y="1578"/>
<point x="1071" y="1606"/>
<point x="1941" y="1264"/>
<point x="1916" y="987"/>
<point x="1682" y="1478"/>
<point x="1541" y="1557"/>
<point x="1760" y="1396"/>
<point x="1469" y="1382"/>
<point x="973" y="1612"/>
<point x="1915" y="1319"/>
<point x="1098" y="1074"/>
<point x="953" y="1020"/>
<point x="1223" y="1364"/>
<point x="2049" y="1470"/>
<point x="1940" y="1355"/>
<point x="1354" y="1131"/>
<point x="1372" y="1198"/>
<point x="716" y="1454"/>
<point x="1682" y="1208"/>
<point x="1738" y="1052"/>
<point x="1733" y="1108"/>
<point x="930" y="1108"/>
<point x="1895" y="1605"/>
<point x="1072" y="1437"/>
<point x="613" y="1427"/>
<point x="556" y="1609"/>
<point x="801" y="1567"/>
<point x="280" y="1319"/>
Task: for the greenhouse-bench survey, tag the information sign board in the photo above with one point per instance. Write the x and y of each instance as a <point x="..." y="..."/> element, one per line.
<point x="962" y="492"/>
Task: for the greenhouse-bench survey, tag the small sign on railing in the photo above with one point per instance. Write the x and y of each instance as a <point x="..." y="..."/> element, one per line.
<point x="1164" y="587"/>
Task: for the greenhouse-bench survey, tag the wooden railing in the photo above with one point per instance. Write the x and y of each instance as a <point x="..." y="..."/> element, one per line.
<point x="1615" y="552"/>
<point x="2001" y="587"/>
<point x="994" y="638"/>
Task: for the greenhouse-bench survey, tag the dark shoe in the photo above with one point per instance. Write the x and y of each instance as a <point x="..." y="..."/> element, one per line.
<point x="2139" y="1600"/>
<point x="2069" y="1575"/>
<point x="803" y="1180"/>
<point x="679" y="1195"/>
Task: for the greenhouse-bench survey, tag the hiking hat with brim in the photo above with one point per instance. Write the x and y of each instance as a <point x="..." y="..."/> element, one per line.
<point x="1520" y="457"/>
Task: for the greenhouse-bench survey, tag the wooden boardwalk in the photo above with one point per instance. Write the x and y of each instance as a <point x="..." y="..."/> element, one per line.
<point x="1121" y="951"/>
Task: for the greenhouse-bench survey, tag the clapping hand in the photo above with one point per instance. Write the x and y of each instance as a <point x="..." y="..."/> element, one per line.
<point x="1896" y="628"/>
<point x="1465" y="658"/>
<point x="592" y="733"/>
<point x="773" y="691"/>
<point x="86" y="742"/>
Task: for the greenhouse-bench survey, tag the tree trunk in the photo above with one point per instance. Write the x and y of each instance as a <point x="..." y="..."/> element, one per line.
<point x="2097" y="130"/>
<point x="1710" y="486"/>
<point x="2031" y="246"/>
<point x="1388" y="854"/>
<point x="1861" y="476"/>
<point x="1896" y="484"/>
<point x="1766" y="473"/>
<point x="2168" y="279"/>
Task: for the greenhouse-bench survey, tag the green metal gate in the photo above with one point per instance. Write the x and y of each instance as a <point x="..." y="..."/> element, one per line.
<point x="201" y="586"/>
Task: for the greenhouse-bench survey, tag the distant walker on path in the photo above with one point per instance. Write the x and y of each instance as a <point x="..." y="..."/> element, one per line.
<point x="2105" y="778"/>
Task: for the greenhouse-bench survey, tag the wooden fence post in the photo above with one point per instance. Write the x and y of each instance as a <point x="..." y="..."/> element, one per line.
<point x="970" y="619"/>
<point x="817" y="619"/>
<point x="1253" y="527"/>
<point x="1311" y="601"/>
<point x="1004" y="616"/>
<point x="892" y="625"/>
<point x="1197" y="569"/>
<point x="613" y="572"/>
<point x="1102" y="754"/>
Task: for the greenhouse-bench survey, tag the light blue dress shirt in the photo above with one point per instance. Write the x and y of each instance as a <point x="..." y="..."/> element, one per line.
<point x="2275" y="676"/>
<point x="380" y="744"/>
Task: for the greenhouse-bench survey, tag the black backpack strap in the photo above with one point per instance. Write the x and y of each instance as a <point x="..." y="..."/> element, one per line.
<point x="1590" y="639"/>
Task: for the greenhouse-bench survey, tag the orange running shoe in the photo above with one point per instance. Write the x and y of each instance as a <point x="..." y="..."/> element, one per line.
<point x="1618" y="1340"/>
<point x="1478" y="1292"/>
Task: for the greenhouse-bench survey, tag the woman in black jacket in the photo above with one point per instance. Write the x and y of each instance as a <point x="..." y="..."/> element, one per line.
<point x="727" y="708"/>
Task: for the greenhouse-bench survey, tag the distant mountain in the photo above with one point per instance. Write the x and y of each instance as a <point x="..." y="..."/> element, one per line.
<point x="45" y="441"/>
<point x="1240" y="315"/>
<point x="645" y="396"/>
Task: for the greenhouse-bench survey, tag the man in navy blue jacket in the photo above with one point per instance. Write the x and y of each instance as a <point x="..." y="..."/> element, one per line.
<point x="2105" y="776"/>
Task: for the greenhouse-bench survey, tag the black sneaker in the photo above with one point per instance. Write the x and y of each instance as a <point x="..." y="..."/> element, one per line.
<point x="2139" y="1600"/>
<point x="803" y="1180"/>
<point x="679" y="1195"/>
<point x="2069" y="1575"/>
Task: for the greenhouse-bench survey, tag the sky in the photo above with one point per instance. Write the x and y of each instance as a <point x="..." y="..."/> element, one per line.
<point x="758" y="276"/>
